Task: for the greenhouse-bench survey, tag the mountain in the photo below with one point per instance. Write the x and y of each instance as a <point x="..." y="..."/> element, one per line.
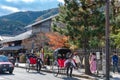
<point x="14" y="24"/>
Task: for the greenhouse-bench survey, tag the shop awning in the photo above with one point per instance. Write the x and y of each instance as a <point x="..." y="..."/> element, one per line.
<point x="11" y="48"/>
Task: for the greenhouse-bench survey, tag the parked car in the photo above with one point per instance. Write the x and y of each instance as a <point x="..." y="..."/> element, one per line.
<point x="6" y="65"/>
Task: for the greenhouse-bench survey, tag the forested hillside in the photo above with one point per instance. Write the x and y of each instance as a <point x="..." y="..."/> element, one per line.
<point x="14" y="24"/>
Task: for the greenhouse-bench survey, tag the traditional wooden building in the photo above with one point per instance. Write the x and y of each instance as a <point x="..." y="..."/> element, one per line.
<point x="39" y="29"/>
<point x="34" y="37"/>
<point x="14" y="44"/>
<point x="42" y="26"/>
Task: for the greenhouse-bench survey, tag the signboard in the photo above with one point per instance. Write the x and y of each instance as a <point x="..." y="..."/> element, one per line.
<point x="98" y="55"/>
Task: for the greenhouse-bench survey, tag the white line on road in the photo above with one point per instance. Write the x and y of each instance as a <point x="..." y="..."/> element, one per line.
<point x="1" y="78"/>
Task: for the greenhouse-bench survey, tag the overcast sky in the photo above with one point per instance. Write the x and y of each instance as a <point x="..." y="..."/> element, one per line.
<point x="11" y="6"/>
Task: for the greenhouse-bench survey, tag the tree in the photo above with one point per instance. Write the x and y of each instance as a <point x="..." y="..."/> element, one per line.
<point x="56" y="40"/>
<point x="115" y="40"/>
<point x="81" y="20"/>
<point x="115" y="22"/>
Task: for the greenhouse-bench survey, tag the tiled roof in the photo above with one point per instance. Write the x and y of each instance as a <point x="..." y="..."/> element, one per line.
<point x="41" y="21"/>
<point x="18" y="37"/>
<point x="4" y="37"/>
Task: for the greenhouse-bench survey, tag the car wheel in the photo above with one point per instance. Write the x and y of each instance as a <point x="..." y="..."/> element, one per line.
<point x="10" y="72"/>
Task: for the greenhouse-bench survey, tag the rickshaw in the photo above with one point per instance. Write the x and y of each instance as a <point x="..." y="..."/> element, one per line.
<point x="32" y="62"/>
<point x="60" y="55"/>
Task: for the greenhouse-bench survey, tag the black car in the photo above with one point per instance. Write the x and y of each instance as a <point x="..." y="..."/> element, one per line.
<point x="6" y="65"/>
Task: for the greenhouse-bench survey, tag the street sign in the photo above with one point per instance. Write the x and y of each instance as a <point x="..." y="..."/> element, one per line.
<point x="98" y="55"/>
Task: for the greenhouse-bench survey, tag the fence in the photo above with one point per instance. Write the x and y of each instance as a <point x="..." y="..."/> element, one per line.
<point x="100" y="61"/>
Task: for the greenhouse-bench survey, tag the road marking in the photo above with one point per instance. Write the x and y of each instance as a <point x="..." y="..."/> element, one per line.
<point x="1" y="78"/>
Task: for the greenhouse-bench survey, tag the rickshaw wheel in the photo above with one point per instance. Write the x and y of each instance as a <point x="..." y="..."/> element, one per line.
<point x="55" y="69"/>
<point x="27" y="66"/>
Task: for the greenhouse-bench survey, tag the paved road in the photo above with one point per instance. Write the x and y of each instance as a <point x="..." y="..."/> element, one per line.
<point x="21" y="74"/>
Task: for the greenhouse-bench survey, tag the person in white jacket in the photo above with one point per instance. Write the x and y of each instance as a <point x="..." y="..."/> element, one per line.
<point x="77" y="59"/>
<point x="69" y="64"/>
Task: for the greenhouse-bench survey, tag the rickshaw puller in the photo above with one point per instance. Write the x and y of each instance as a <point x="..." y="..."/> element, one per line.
<point x="69" y="64"/>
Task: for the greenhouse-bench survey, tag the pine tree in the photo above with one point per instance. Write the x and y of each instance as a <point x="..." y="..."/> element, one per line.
<point x="115" y="22"/>
<point x="81" y="20"/>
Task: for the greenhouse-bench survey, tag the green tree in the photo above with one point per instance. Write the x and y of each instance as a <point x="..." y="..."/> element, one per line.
<point x="82" y="21"/>
<point x="115" y="22"/>
<point x="115" y="15"/>
<point x="115" y="40"/>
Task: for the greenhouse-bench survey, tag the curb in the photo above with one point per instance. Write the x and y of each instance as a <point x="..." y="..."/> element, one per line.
<point x="81" y="76"/>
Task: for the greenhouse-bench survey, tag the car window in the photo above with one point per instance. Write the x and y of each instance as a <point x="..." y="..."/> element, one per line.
<point x="3" y="59"/>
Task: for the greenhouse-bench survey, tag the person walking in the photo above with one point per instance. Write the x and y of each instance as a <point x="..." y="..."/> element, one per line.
<point x="38" y="64"/>
<point x="92" y="62"/>
<point x="77" y="59"/>
<point x="69" y="64"/>
<point x="115" y="62"/>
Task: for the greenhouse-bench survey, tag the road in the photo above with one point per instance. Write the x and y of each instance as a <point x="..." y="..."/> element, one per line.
<point x="21" y="74"/>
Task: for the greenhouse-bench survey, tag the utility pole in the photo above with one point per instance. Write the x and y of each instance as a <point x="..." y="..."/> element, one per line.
<point x="107" y="41"/>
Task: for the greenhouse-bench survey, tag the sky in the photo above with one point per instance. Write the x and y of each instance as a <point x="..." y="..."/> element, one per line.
<point x="12" y="6"/>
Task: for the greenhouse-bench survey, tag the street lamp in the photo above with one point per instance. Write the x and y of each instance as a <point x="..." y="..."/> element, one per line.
<point x="107" y="40"/>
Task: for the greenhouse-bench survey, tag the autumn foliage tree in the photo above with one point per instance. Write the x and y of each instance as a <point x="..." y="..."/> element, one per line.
<point x="57" y="41"/>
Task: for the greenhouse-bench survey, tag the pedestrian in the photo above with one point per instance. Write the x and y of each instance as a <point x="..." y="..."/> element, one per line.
<point x="38" y="64"/>
<point x="69" y="64"/>
<point x="115" y="61"/>
<point x="92" y="62"/>
<point x="41" y="57"/>
<point x="42" y="54"/>
<point x="47" y="59"/>
<point x="77" y="59"/>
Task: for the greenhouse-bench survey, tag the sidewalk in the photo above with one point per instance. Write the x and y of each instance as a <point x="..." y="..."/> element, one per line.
<point x="80" y="73"/>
